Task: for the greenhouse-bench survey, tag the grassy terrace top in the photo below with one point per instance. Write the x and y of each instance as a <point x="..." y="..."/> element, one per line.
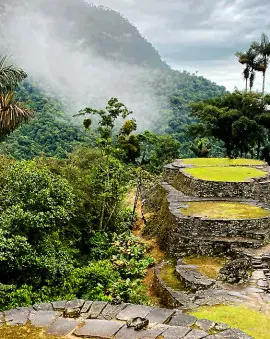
<point x="227" y="174"/>
<point x="223" y="210"/>
<point x="202" y="162"/>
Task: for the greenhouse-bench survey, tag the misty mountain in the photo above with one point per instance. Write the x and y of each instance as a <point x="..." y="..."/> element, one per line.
<point x="78" y="55"/>
<point x="102" y="30"/>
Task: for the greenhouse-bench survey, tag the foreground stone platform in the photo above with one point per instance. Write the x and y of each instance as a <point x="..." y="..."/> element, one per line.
<point x="99" y="319"/>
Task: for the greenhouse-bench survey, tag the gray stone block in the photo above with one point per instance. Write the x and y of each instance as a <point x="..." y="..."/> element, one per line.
<point x="221" y="327"/>
<point x="43" y="318"/>
<point x="63" y="326"/>
<point x="176" y="332"/>
<point x="59" y="305"/>
<point x="196" y="334"/>
<point x="205" y="324"/>
<point x="160" y="315"/>
<point x="96" y="308"/>
<point x="77" y="303"/>
<point x="133" y="311"/>
<point x="153" y="332"/>
<point x="128" y="333"/>
<point x="16" y="317"/>
<point x="43" y="307"/>
<point x="110" y="311"/>
<point x="235" y="334"/>
<point x="98" y="328"/>
<point x="182" y="319"/>
<point x="86" y="306"/>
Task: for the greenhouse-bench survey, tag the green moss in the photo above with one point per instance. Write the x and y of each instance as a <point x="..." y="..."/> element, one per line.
<point x="167" y="274"/>
<point x="250" y="321"/>
<point x="223" y="210"/>
<point x="208" y="266"/>
<point x="228" y="174"/>
<point x="24" y="332"/>
<point x="201" y="162"/>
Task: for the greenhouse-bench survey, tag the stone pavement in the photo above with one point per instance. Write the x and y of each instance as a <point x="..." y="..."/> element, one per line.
<point x="99" y="319"/>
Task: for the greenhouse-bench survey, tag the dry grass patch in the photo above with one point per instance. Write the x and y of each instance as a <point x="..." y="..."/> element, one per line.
<point x="226" y="174"/>
<point x="223" y="210"/>
<point x="24" y="332"/>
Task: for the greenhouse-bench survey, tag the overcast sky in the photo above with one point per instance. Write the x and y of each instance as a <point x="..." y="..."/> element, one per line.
<point x="200" y="35"/>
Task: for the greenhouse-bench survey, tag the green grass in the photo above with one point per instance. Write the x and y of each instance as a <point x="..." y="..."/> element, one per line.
<point x="208" y="266"/>
<point x="201" y="162"/>
<point x="223" y="210"/>
<point x="24" y="332"/>
<point x="250" y="321"/>
<point x="228" y="174"/>
<point x="167" y="274"/>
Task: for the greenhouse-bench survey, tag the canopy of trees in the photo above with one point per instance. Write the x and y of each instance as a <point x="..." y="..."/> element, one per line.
<point x="240" y="120"/>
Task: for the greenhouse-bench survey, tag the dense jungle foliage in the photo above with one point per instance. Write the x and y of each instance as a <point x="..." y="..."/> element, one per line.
<point x="53" y="244"/>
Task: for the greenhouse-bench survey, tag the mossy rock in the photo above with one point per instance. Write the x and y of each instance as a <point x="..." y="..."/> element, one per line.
<point x="202" y="162"/>
<point x="223" y="210"/>
<point x="225" y="174"/>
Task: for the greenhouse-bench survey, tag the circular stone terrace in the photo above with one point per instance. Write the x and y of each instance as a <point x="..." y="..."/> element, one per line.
<point x="220" y="177"/>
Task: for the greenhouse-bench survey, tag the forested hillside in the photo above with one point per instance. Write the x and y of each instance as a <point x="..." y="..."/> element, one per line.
<point x="105" y="32"/>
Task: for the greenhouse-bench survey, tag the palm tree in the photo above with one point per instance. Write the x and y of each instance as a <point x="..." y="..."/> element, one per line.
<point x="249" y="59"/>
<point x="243" y="59"/>
<point x="11" y="114"/>
<point x="263" y="50"/>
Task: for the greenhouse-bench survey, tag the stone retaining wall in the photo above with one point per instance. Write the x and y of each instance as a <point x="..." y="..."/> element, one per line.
<point x="194" y="235"/>
<point x="256" y="189"/>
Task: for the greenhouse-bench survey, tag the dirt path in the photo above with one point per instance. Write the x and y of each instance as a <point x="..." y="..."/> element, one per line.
<point x="155" y="252"/>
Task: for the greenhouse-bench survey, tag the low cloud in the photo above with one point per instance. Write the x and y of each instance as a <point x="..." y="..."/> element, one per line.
<point x="197" y="35"/>
<point x="78" y="75"/>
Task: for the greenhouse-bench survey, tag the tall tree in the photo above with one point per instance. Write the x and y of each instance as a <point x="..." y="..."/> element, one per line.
<point x="262" y="48"/>
<point x="249" y="59"/>
<point x="11" y="114"/>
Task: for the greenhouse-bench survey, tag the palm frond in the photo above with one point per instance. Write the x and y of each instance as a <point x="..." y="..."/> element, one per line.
<point x="12" y="115"/>
<point x="10" y="76"/>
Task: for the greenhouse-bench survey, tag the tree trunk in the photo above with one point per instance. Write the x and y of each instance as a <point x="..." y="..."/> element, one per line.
<point x="263" y="86"/>
<point x="246" y="84"/>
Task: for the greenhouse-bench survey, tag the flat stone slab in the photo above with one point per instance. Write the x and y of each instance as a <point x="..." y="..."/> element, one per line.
<point x="133" y="311"/>
<point x="110" y="311"/>
<point x="43" y="318"/>
<point x="130" y="333"/>
<point x="59" y="305"/>
<point x="62" y="326"/>
<point x="176" y="332"/>
<point x="234" y="334"/>
<point x="99" y="328"/>
<point x="159" y="315"/>
<point x="96" y="308"/>
<point x="192" y="278"/>
<point x="86" y="306"/>
<point x="182" y="319"/>
<point x="205" y="324"/>
<point x="43" y="307"/>
<point x="77" y="303"/>
<point x="196" y="334"/>
<point x="16" y="317"/>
